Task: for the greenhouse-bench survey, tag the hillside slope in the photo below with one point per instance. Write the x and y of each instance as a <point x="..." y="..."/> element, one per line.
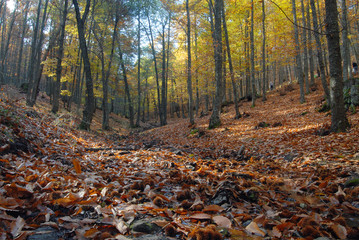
<point x="275" y="173"/>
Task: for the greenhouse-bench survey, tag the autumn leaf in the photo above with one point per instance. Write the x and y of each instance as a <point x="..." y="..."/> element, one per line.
<point x="17" y="226"/>
<point x="77" y="165"/>
<point x="222" y="221"/>
<point x="200" y="216"/>
<point x="339" y="231"/>
<point x="120" y="226"/>
<point x="253" y="228"/>
<point x="213" y="208"/>
<point x="14" y="190"/>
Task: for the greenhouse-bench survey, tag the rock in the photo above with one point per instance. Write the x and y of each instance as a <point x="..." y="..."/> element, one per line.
<point x="152" y="237"/>
<point x="289" y="157"/>
<point x="45" y="233"/>
<point x="145" y="226"/>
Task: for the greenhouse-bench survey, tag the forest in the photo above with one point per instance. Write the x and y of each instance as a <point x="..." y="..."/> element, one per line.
<point x="193" y="119"/>
<point x="151" y="60"/>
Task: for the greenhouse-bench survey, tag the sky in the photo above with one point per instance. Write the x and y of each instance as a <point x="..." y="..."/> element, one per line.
<point x="11" y="4"/>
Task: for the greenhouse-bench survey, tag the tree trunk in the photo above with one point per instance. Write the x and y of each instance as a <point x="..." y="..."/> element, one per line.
<point x="189" y="68"/>
<point x="164" y="84"/>
<point x="31" y="74"/>
<point x="339" y="120"/>
<point x="6" y="47"/>
<point x="38" y="66"/>
<point x="90" y="99"/>
<point x="215" y="120"/>
<point x="310" y="49"/>
<point x="254" y="92"/>
<point x="127" y="88"/>
<point x="264" y="87"/>
<point x="346" y="52"/>
<point x="23" y="32"/>
<point x="305" y="49"/>
<point x="155" y="65"/>
<point x="235" y="92"/>
<point x="60" y="55"/>
<point x="299" y="71"/>
<point x="138" y="67"/>
<point x="319" y="52"/>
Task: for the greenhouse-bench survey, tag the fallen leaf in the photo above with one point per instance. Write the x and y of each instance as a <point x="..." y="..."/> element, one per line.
<point x="120" y="226"/>
<point x="222" y="221"/>
<point x="17" y="226"/>
<point x="77" y="165"/>
<point x="253" y="228"/>
<point x="213" y="208"/>
<point x="91" y="233"/>
<point x="339" y="230"/>
<point x="201" y="216"/>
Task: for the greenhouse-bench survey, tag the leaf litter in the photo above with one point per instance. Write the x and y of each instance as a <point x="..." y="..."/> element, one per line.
<point x="235" y="182"/>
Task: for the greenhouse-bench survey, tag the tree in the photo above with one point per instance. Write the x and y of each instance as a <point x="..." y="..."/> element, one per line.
<point x="254" y="91"/>
<point x="90" y="99"/>
<point x="189" y="67"/>
<point x="305" y="49"/>
<point x="346" y="52"/>
<point x="60" y="55"/>
<point x="231" y="70"/>
<point x="215" y="120"/>
<point x="31" y="73"/>
<point x="319" y="52"/>
<point x="298" y="58"/>
<point x="152" y="44"/>
<point x="23" y="33"/>
<point x="310" y="48"/>
<point x="106" y="68"/>
<point x="127" y="86"/>
<point x="339" y="120"/>
<point x="5" y="48"/>
<point x="264" y="88"/>
<point x="138" y="63"/>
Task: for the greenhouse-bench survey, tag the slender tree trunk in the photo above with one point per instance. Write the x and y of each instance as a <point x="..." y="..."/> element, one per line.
<point x="339" y="120"/>
<point x="215" y="120"/>
<point x="305" y="49"/>
<point x="138" y="68"/>
<point x="127" y="88"/>
<point x="196" y="59"/>
<point x="163" y="105"/>
<point x="310" y="47"/>
<point x="6" y="46"/>
<point x="31" y="74"/>
<point x="155" y="65"/>
<point x="254" y="92"/>
<point x="346" y="52"/>
<point x="298" y="57"/>
<point x="60" y="55"/>
<point x="189" y="68"/>
<point x="319" y="52"/>
<point x="38" y="66"/>
<point x="3" y="26"/>
<point x="224" y="76"/>
<point x="24" y="28"/>
<point x="247" y="59"/>
<point x="90" y="99"/>
<point x="264" y="89"/>
<point x="235" y="92"/>
<point x="106" y="73"/>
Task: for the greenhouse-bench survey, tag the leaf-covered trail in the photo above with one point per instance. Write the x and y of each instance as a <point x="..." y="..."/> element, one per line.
<point x="181" y="182"/>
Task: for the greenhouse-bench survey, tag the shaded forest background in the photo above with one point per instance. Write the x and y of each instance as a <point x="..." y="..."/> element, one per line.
<point x="150" y="60"/>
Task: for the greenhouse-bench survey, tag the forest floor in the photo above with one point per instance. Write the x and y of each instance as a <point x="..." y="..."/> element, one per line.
<point x="275" y="173"/>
